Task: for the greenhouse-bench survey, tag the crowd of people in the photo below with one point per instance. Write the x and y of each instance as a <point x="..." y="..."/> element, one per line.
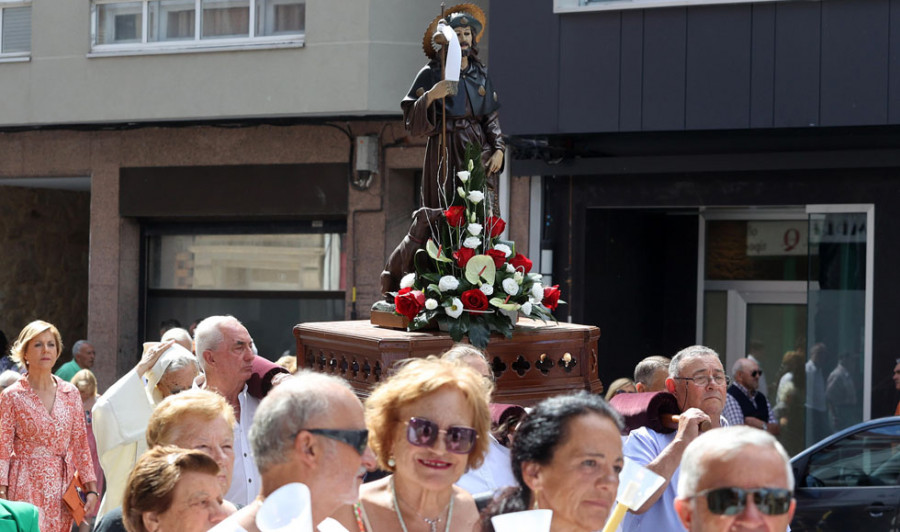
<point x="202" y="432"/>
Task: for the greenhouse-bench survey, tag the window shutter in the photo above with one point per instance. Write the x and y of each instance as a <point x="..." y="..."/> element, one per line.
<point x="16" y="30"/>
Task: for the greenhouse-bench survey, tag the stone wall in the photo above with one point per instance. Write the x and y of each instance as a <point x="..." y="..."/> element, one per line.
<point x="44" y="246"/>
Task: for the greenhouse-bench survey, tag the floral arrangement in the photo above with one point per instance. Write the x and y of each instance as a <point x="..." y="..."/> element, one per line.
<point x="467" y="279"/>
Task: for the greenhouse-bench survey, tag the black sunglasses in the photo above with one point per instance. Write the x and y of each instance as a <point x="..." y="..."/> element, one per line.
<point x="423" y="432"/>
<point x="732" y="501"/>
<point x="756" y="373"/>
<point x="358" y="439"/>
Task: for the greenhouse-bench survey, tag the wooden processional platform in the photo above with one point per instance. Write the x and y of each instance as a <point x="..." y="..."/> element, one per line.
<point x="540" y="360"/>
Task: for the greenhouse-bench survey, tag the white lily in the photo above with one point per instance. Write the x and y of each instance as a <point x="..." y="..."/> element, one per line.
<point x="455" y="309"/>
<point x="463" y="175"/>
<point x="431" y="303"/>
<point x="475" y="229"/>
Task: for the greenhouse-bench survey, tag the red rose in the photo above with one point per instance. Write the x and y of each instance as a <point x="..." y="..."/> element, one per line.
<point x="495" y="225"/>
<point x="456" y="215"/>
<point x="521" y="261"/>
<point x="474" y="300"/>
<point x="498" y="256"/>
<point x="551" y="297"/>
<point x="409" y="302"/>
<point x="463" y="255"/>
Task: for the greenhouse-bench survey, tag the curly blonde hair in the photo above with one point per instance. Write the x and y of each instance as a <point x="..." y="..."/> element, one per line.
<point x="33" y="329"/>
<point x="169" y="418"/>
<point x="415" y="379"/>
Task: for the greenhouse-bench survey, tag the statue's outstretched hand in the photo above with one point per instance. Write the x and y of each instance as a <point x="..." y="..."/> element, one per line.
<point x="495" y="163"/>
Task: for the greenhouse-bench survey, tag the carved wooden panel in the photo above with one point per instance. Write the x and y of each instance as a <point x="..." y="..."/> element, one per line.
<point x="539" y="361"/>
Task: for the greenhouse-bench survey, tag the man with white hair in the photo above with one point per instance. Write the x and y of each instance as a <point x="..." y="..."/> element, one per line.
<point x="698" y="381"/>
<point x="225" y="351"/>
<point x="120" y="415"/>
<point x="310" y="429"/>
<point x="737" y="478"/>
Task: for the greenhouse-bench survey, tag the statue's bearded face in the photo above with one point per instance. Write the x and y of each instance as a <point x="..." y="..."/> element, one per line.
<point x="464" y="34"/>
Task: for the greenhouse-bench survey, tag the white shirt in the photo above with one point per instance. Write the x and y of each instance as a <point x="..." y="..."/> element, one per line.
<point x="245" y="482"/>
<point x="494" y="474"/>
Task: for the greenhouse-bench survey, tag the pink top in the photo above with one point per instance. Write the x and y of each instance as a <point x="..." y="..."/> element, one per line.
<point x="40" y="451"/>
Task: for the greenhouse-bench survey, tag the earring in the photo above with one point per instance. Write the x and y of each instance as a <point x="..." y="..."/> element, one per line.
<point x="391" y="462"/>
<point x="536" y="505"/>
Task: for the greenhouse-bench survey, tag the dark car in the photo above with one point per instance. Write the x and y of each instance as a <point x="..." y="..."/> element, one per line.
<point x="851" y="480"/>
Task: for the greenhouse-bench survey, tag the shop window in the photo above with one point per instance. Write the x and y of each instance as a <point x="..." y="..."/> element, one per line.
<point x="569" y="6"/>
<point x="15" y="30"/>
<point x="269" y="280"/>
<point x="158" y="26"/>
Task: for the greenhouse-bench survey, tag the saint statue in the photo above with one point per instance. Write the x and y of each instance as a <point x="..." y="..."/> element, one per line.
<point x="453" y="114"/>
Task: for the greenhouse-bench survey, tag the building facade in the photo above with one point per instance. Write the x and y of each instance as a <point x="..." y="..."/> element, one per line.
<point x="178" y="159"/>
<point x="722" y="173"/>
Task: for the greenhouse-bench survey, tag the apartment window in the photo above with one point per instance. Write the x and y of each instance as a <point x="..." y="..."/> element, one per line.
<point x="15" y="29"/>
<point x="152" y="26"/>
<point x="270" y="276"/>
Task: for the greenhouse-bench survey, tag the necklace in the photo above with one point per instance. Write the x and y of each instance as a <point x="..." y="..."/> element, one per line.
<point x="432" y="523"/>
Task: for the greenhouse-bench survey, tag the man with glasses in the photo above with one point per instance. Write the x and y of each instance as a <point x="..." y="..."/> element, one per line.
<point x="698" y="382"/>
<point x="310" y="429"/>
<point x="737" y="478"/>
<point x="746" y="405"/>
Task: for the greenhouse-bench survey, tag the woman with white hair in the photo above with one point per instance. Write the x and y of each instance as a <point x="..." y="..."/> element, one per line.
<point x="121" y="414"/>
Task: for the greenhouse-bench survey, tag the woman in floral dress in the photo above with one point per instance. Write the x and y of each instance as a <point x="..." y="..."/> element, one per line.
<point x="43" y="439"/>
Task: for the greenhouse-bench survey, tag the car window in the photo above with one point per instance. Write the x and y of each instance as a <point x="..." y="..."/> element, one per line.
<point x="866" y="458"/>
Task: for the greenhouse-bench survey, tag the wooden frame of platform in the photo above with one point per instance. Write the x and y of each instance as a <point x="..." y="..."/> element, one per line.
<point x="540" y="360"/>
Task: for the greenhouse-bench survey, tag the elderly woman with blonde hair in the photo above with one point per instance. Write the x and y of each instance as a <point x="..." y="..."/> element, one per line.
<point x="195" y="419"/>
<point x="43" y="439"/>
<point x="428" y="423"/>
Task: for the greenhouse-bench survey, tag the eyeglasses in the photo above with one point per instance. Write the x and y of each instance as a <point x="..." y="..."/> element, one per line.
<point x="756" y="373"/>
<point x="732" y="501"/>
<point x="704" y="380"/>
<point x="423" y="432"/>
<point x="358" y="439"/>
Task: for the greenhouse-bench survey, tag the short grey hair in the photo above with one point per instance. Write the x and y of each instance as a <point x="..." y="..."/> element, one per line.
<point x="646" y="368"/>
<point x="287" y="410"/>
<point x="689" y="353"/>
<point x="726" y="443"/>
<point x="463" y="351"/>
<point x="181" y="337"/>
<point x="739" y="365"/>
<point x="208" y="335"/>
<point x="176" y="359"/>
<point x="76" y="347"/>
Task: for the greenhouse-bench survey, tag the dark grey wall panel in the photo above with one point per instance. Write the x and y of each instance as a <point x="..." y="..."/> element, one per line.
<point x="718" y="67"/>
<point x="762" y="66"/>
<point x="524" y="65"/>
<point x="664" y="61"/>
<point x="631" y="70"/>
<point x="797" y="34"/>
<point x="854" y="62"/>
<point x="589" y="99"/>
<point x="894" y="64"/>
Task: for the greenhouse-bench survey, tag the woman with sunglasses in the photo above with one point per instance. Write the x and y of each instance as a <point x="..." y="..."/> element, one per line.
<point x="566" y="457"/>
<point x="428" y="423"/>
